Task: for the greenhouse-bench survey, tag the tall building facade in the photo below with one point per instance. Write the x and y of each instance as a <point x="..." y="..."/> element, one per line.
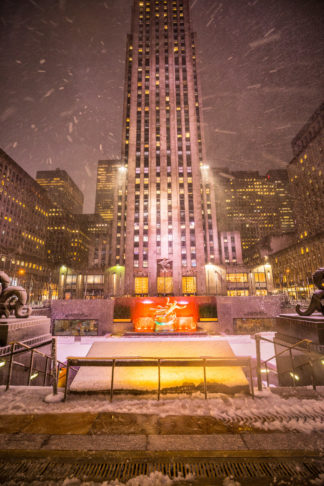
<point x="165" y="228"/>
<point x="306" y="175"/>
<point x="24" y="211"/>
<point x="107" y="173"/>
<point x="294" y="265"/>
<point x="61" y="189"/>
<point x="66" y="244"/>
<point x="253" y="204"/>
<point x="98" y="230"/>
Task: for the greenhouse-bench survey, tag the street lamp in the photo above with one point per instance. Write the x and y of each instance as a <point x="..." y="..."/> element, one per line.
<point x="63" y="271"/>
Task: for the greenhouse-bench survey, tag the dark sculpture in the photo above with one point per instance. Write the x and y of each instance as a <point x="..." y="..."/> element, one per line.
<point x="12" y="299"/>
<point x="318" y="295"/>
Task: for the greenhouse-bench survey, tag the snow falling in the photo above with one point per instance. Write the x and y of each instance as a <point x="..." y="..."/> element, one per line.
<point x="260" y="64"/>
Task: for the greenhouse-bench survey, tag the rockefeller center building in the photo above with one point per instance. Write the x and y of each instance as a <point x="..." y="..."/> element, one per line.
<point x="164" y="229"/>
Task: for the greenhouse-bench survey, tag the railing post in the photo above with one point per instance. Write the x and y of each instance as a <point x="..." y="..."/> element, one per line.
<point x="159" y="378"/>
<point x="45" y="372"/>
<point x="251" y="377"/>
<point x="258" y="359"/>
<point x="112" y="379"/>
<point x="292" y="367"/>
<point x="309" y="349"/>
<point x="267" y="373"/>
<point x="10" y="365"/>
<point x="54" y="365"/>
<point x="205" y="381"/>
<point x="30" y="366"/>
<point x="67" y="379"/>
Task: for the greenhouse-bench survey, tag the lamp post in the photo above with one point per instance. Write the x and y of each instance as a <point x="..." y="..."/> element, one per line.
<point x="85" y="286"/>
<point x="63" y="271"/>
<point x="114" y="275"/>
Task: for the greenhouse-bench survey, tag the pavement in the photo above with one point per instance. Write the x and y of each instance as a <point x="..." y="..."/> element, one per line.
<point x="53" y="446"/>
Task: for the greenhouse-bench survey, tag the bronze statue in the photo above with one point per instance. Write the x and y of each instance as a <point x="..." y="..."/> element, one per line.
<point x="12" y="299"/>
<point x="318" y="295"/>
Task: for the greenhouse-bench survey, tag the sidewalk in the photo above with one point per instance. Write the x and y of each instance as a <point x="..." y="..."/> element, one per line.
<point x="52" y="442"/>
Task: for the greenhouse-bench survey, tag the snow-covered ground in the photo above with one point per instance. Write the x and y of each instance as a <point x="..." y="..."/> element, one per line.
<point x="242" y="345"/>
<point x="268" y="411"/>
<point x="154" y="479"/>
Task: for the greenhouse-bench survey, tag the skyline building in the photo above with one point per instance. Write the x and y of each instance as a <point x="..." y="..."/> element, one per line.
<point x="253" y="204"/>
<point x="24" y="209"/>
<point x="61" y="190"/>
<point x="164" y="230"/>
<point x="306" y="175"/>
<point x="107" y="172"/>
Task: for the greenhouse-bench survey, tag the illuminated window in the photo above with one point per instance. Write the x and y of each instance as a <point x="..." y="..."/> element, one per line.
<point x="237" y="293"/>
<point x="237" y="277"/>
<point x="141" y="285"/>
<point x="165" y="285"/>
<point x="94" y="279"/>
<point x="188" y="285"/>
<point x="259" y="277"/>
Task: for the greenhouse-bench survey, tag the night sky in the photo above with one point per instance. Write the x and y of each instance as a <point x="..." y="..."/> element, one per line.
<point x="62" y="75"/>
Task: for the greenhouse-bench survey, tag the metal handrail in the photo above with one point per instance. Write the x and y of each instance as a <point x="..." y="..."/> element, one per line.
<point x="307" y="341"/>
<point x="139" y="361"/>
<point x="53" y="372"/>
<point x="312" y="357"/>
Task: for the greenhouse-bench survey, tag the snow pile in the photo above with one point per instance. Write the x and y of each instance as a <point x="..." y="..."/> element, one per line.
<point x="230" y="481"/>
<point x="51" y="398"/>
<point x="319" y="481"/>
<point x="268" y="411"/>
<point x="154" y="479"/>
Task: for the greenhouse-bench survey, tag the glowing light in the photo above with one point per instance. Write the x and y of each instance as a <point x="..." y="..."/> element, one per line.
<point x="296" y="377"/>
<point x="2" y="363"/>
<point x="164" y="314"/>
<point x="34" y="375"/>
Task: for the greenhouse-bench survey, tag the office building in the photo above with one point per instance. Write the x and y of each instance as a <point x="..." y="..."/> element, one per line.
<point x="67" y="244"/>
<point x="61" y="189"/>
<point x="253" y="204"/>
<point x="164" y="230"/>
<point x="306" y="176"/>
<point x="107" y="173"/>
<point x="230" y="247"/>
<point x="24" y="209"/>
<point x="98" y="231"/>
<point x="294" y="265"/>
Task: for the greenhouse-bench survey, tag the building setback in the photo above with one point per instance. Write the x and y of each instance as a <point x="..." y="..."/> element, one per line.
<point x="164" y="230"/>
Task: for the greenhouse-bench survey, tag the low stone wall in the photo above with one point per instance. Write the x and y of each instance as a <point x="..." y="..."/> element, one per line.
<point x="100" y="309"/>
<point x="229" y="308"/>
<point x="293" y="328"/>
<point x="13" y="329"/>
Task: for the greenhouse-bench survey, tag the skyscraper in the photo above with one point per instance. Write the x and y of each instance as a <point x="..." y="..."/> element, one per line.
<point x="106" y="182"/>
<point x="61" y="189"/>
<point x="306" y="173"/>
<point x="165" y="231"/>
<point x="253" y="204"/>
